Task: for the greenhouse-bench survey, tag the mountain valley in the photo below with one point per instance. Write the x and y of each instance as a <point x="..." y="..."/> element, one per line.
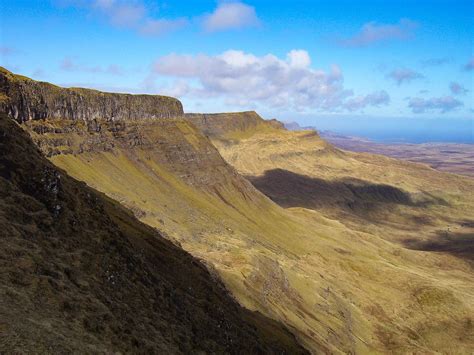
<point x="351" y="252"/>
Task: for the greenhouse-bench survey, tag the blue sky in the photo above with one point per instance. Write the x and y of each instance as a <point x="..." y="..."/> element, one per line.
<point x="372" y="68"/>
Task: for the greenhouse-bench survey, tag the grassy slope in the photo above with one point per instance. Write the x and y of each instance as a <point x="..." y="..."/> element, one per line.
<point x="80" y="274"/>
<point x="340" y="288"/>
<point x="291" y="166"/>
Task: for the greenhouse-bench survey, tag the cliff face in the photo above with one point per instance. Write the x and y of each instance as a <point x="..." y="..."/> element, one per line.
<point x="25" y="99"/>
<point x="81" y="121"/>
<point x="79" y="274"/>
<point x="174" y="144"/>
<point x="233" y="123"/>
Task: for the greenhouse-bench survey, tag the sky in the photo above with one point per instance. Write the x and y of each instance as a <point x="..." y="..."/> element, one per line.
<point x="382" y="69"/>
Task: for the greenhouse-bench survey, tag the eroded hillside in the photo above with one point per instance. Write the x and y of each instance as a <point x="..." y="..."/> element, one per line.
<point x="80" y="274"/>
<point x="326" y="259"/>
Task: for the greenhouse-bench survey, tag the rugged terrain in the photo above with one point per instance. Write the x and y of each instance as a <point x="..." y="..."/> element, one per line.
<point x="449" y="157"/>
<point x="80" y="274"/>
<point x="356" y="253"/>
<point x="397" y="230"/>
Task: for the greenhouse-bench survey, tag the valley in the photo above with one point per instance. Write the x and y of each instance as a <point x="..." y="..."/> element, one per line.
<point x="351" y="252"/>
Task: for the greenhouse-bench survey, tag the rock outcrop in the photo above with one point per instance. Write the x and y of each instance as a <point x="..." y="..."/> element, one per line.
<point x="25" y="99"/>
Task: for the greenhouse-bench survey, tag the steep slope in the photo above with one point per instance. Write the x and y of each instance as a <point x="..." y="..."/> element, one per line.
<point x="374" y="200"/>
<point x="340" y="289"/>
<point x="80" y="274"/>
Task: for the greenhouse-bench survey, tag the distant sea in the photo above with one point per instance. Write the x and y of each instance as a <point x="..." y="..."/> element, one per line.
<point x="400" y="130"/>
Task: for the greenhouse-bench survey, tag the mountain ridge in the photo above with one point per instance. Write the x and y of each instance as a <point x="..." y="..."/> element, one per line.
<point x="25" y="99"/>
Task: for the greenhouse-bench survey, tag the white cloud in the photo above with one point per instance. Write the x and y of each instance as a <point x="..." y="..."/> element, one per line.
<point x="404" y="75"/>
<point x="245" y="79"/>
<point x="376" y="99"/>
<point x="373" y="32"/>
<point x="231" y="15"/>
<point x="442" y="104"/>
<point x="132" y="14"/>
<point x="299" y="58"/>
<point x="122" y="13"/>
<point x="178" y="88"/>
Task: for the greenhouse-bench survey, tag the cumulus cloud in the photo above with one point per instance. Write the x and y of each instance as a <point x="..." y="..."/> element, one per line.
<point x="373" y="32"/>
<point x="404" y="75"/>
<point x="244" y="79"/>
<point x="376" y="99"/>
<point x="441" y="104"/>
<point x="457" y="89"/>
<point x="469" y="66"/>
<point x="177" y="88"/>
<point x="68" y="64"/>
<point x="231" y="15"/>
<point x="131" y="14"/>
<point x="299" y="58"/>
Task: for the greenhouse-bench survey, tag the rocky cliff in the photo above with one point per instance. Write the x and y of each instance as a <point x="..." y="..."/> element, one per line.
<point x="78" y="121"/>
<point x="232" y="123"/>
<point x="25" y="99"/>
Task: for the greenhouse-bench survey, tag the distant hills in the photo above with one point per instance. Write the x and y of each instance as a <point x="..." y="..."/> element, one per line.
<point x="450" y="157"/>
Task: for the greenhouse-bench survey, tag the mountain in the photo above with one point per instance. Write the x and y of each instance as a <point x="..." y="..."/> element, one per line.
<point x="395" y="230"/>
<point x="293" y="126"/>
<point x="79" y="273"/>
<point x="350" y="251"/>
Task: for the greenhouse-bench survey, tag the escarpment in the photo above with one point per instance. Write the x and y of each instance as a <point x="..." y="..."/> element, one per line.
<point x="82" y="121"/>
<point x="343" y="282"/>
<point x="220" y="125"/>
<point x="173" y="143"/>
<point x="25" y="99"/>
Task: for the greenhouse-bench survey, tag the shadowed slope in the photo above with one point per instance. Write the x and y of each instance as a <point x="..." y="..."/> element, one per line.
<point x="80" y="274"/>
<point x="289" y="189"/>
<point x="460" y="244"/>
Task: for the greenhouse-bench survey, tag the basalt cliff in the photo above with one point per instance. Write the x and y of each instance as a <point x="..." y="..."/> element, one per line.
<point x="353" y="253"/>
